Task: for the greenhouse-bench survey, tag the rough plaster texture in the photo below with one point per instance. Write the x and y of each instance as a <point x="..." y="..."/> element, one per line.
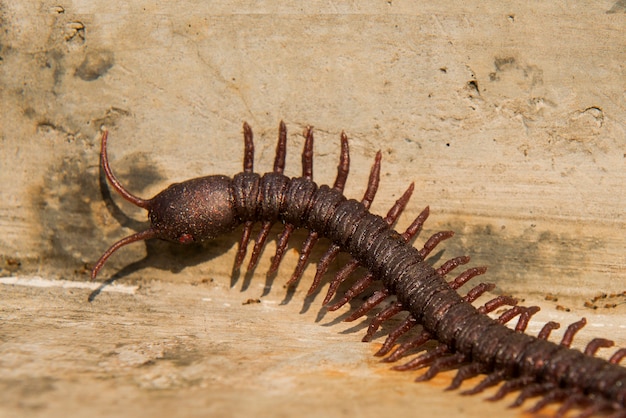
<point x="510" y="118"/>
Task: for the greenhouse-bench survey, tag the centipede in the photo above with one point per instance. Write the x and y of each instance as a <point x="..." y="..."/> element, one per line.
<point x="472" y="340"/>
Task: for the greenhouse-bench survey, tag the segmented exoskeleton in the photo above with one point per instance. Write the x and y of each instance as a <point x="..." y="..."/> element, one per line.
<point x="467" y="339"/>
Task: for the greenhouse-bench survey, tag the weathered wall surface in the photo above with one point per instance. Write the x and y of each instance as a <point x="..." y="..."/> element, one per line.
<point x="509" y="118"/>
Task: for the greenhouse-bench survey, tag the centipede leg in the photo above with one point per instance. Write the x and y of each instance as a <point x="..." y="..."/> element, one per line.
<point x="279" y="168"/>
<point x="307" y="172"/>
<point x="390" y="219"/>
<point x="334" y="249"/>
<point x="248" y="167"/>
<point x="340" y="181"/>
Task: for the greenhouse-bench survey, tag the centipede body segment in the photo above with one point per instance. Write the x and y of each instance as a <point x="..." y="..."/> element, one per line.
<point x="465" y="338"/>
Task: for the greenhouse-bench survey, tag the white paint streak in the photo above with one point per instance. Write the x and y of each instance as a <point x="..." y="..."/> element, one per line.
<point x="36" y="281"/>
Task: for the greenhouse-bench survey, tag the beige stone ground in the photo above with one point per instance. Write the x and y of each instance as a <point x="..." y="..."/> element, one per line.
<point x="510" y="118"/>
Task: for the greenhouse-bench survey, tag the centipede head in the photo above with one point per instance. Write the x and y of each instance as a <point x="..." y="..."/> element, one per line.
<point x="192" y="211"/>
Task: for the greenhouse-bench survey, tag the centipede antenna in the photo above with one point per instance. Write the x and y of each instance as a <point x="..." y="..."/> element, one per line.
<point x="104" y="159"/>
<point x="139" y="236"/>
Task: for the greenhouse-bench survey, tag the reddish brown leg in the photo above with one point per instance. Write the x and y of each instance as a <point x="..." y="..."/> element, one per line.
<point x="525" y="316"/>
<point x="381" y="317"/>
<point x="344" y="164"/>
<point x="423" y="359"/>
<point x="307" y="154"/>
<point x="403" y="348"/>
<point x="352" y="265"/>
<point x="571" y="331"/>
<point x="547" y="329"/>
<point x="530" y="391"/>
<point x="442" y="363"/>
<point x="281" y="246"/>
<point x="248" y="167"/>
<point x="333" y="250"/>
<point x="340" y="181"/>
<point x="466" y="372"/>
<point x="322" y="266"/>
<point x="618" y="356"/>
<point x="365" y="281"/>
<point x="597" y="343"/>
<point x="368" y="305"/>
<point x="340" y="277"/>
<point x="492" y="379"/>
<point x="281" y="149"/>
<point x="466" y="276"/>
<point x="450" y="265"/>
<point x="248" y="153"/>
<point x="305" y="253"/>
<point x="511" y="386"/>
<point x="497" y="302"/>
<point x="358" y="287"/>
<point x="243" y="245"/>
<point x="433" y="241"/>
<point x="259" y="244"/>
<point x="393" y="336"/>
<point x="478" y="291"/>
<point x="373" y="182"/>
<point x="307" y="172"/>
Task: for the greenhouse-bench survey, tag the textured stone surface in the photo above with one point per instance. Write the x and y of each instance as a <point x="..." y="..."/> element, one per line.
<point x="509" y="118"/>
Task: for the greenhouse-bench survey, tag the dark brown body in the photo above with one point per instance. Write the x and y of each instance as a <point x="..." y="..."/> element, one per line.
<point x="203" y="208"/>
